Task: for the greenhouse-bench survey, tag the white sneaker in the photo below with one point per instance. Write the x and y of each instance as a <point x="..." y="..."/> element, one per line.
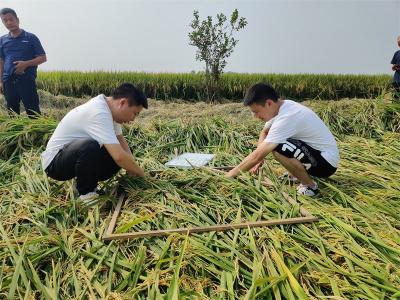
<point x="306" y="190"/>
<point x="89" y="198"/>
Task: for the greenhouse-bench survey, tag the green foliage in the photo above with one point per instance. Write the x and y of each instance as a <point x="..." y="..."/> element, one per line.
<point x="215" y="43"/>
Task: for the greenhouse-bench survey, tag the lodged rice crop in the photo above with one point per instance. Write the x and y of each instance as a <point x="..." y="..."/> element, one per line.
<point x="52" y="249"/>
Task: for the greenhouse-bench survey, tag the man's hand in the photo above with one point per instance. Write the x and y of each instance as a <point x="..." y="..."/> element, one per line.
<point x="254" y="170"/>
<point x="230" y="174"/>
<point x="131" y="173"/>
<point x="124" y="159"/>
<point x="253" y="159"/>
<point x="20" y="67"/>
<point x="1" y="87"/>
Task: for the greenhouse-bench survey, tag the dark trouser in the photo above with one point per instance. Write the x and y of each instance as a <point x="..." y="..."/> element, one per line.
<point x="85" y="160"/>
<point x="396" y="90"/>
<point x="22" y="87"/>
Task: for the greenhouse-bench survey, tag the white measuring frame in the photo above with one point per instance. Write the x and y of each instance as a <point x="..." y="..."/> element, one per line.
<point x="190" y="160"/>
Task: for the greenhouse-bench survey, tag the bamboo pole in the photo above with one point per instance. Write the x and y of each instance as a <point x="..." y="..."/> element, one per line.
<point x="113" y="221"/>
<point x="222" y="227"/>
<point x="307" y="217"/>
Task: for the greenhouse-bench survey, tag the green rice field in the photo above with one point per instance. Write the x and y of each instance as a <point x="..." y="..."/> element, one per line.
<point x="232" y="85"/>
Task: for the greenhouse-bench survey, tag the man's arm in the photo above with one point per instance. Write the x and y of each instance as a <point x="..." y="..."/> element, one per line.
<point x="124" y="159"/>
<point x="124" y="144"/>
<point x="21" y="65"/>
<point x="1" y="76"/>
<point x="252" y="159"/>
<point x="262" y="137"/>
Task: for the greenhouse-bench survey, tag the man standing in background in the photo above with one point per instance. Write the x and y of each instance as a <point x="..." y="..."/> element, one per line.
<point x="396" y="67"/>
<point x="20" y="54"/>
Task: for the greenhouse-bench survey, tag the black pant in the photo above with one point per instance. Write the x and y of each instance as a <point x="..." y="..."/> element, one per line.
<point x="22" y="87"/>
<point x="85" y="160"/>
<point x="396" y="90"/>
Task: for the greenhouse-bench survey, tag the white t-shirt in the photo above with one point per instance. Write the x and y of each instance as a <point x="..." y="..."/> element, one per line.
<point x="90" y="120"/>
<point x="298" y="122"/>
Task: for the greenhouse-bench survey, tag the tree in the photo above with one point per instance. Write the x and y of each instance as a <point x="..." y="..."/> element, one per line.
<point x="215" y="43"/>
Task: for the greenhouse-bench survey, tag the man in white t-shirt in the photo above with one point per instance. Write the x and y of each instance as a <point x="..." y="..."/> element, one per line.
<point x="295" y="135"/>
<point x="88" y="143"/>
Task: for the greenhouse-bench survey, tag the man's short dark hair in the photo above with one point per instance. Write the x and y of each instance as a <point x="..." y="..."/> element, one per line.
<point x="7" y="10"/>
<point x="133" y="94"/>
<point x="259" y="93"/>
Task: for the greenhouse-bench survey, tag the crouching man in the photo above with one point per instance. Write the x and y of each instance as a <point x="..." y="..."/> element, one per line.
<point x="88" y="143"/>
<point x="296" y="136"/>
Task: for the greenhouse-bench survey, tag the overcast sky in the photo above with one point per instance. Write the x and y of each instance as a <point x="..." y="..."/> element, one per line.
<point x="281" y="36"/>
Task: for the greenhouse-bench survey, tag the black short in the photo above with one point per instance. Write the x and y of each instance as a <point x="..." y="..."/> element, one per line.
<point x="311" y="158"/>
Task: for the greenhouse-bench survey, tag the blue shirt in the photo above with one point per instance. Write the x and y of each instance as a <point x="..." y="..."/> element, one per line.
<point x="25" y="46"/>
<point x="396" y="61"/>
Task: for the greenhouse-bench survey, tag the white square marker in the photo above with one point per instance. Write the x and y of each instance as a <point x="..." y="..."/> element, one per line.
<point x="190" y="160"/>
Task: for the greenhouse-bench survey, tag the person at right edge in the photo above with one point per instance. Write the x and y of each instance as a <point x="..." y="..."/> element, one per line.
<point x="396" y="77"/>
